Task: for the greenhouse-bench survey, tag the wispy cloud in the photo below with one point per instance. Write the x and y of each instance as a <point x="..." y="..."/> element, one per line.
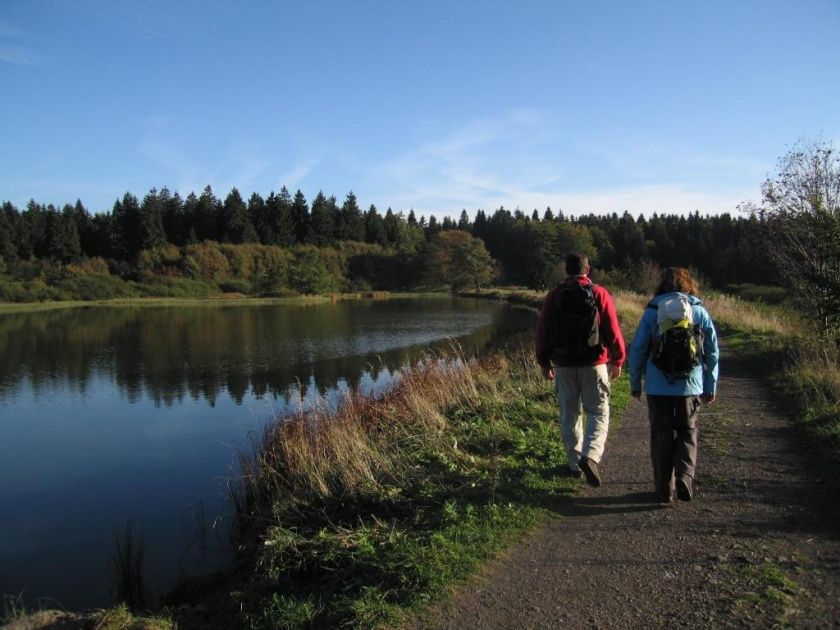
<point x="522" y="159"/>
<point x="16" y="55"/>
<point x="292" y="178"/>
<point x="12" y="47"/>
<point x="172" y="158"/>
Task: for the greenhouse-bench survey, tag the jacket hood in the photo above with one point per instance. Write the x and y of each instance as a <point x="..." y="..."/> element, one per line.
<point x="692" y="299"/>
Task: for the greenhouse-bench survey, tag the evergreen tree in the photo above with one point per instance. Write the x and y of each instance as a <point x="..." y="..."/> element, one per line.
<point x="62" y="236"/>
<point x="351" y="226"/>
<point x="464" y="222"/>
<point x="300" y="218"/>
<point x="191" y="213"/>
<point x="393" y="231"/>
<point x="323" y="221"/>
<point x="100" y="241"/>
<point x="84" y="225"/>
<point x="432" y="228"/>
<point x="9" y="234"/>
<point x="33" y="231"/>
<point x="258" y="214"/>
<point x="236" y="224"/>
<point x="479" y="228"/>
<point x="412" y="220"/>
<point x="207" y="217"/>
<point x="152" y="233"/>
<point x="375" y="227"/>
<point x="126" y="226"/>
<point x="174" y="219"/>
<point x="280" y="220"/>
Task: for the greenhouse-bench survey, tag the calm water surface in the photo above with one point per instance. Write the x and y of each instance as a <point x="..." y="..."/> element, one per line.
<point x="110" y="416"/>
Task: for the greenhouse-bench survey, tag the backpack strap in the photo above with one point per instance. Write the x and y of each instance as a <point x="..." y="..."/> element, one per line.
<point x="655" y="307"/>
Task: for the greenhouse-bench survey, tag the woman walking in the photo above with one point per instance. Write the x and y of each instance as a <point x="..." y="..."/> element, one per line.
<point x="675" y="353"/>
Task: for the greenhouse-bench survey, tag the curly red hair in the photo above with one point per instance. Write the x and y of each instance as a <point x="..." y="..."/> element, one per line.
<point x="677" y="279"/>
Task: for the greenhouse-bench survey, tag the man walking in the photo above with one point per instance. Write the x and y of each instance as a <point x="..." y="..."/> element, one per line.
<point x="579" y="344"/>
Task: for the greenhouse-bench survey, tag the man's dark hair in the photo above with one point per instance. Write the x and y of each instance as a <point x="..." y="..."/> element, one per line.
<point x="577" y="264"/>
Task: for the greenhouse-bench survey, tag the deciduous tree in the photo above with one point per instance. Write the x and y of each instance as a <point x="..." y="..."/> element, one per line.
<point x="801" y="213"/>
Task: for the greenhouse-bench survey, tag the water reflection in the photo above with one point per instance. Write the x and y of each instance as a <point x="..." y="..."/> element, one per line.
<point x="173" y="353"/>
<point x="110" y="415"/>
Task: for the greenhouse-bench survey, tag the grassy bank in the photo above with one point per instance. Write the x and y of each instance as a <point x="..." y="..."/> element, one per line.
<point x="802" y="369"/>
<point x="366" y="515"/>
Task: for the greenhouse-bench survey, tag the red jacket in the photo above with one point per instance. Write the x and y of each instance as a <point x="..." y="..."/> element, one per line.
<point x="612" y="341"/>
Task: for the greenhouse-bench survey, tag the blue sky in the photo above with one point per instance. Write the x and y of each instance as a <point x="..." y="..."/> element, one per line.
<point x="645" y="106"/>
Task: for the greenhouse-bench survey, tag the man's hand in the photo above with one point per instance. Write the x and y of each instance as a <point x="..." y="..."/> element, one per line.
<point x="708" y="398"/>
<point x="615" y="371"/>
<point x="637" y="394"/>
<point x="548" y="372"/>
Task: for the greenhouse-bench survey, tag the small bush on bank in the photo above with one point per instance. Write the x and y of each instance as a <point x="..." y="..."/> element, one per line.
<point x="94" y="288"/>
<point x="32" y="291"/>
<point x="236" y="286"/>
<point x="281" y="292"/>
<point x="175" y="288"/>
<point x="765" y="294"/>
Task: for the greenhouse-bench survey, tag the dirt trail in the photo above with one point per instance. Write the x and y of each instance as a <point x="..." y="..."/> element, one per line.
<point x="758" y="547"/>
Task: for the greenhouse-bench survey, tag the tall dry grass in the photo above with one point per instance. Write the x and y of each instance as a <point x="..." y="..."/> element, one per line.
<point x="368" y="444"/>
<point x="752" y="316"/>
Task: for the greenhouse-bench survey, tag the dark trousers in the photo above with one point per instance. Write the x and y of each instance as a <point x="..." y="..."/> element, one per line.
<point x="673" y="438"/>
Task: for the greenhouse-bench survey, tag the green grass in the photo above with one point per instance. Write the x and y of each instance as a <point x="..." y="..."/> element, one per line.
<point x="770" y="590"/>
<point x="375" y="549"/>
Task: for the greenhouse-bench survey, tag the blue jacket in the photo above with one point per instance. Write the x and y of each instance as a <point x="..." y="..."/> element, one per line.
<point x="703" y="380"/>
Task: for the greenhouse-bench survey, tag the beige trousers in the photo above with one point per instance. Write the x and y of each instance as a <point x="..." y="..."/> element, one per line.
<point x="583" y="394"/>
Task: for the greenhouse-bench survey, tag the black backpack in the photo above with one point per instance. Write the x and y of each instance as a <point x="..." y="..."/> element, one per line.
<point x="677" y="346"/>
<point x="573" y="325"/>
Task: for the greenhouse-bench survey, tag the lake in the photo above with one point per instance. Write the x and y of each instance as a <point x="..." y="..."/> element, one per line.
<point x="133" y="416"/>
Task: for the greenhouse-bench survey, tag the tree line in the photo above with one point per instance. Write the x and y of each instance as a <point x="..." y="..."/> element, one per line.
<point x="285" y="243"/>
<point x="528" y="247"/>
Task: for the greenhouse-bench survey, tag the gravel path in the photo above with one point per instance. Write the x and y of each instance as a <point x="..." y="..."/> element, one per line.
<point x="759" y="546"/>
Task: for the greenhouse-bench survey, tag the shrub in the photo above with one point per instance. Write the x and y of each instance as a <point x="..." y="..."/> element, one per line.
<point x="235" y="286"/>
<point x="240" y="259"/>
<point x="766" y="294"/>
<point x="32" y="291"/>
<point x="271" y="270"/>
<point x="163" y="261"/>
<point x="175" y="288"/>
<point x="205" y="261"/>
<point x="309" y="274"/>
<point x="95" y="266"/>
<point x="281" y="292"/>
<point x="94" y="288"/>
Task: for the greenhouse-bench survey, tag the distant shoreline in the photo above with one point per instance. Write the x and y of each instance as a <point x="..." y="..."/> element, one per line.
<point x="225" y="299"/>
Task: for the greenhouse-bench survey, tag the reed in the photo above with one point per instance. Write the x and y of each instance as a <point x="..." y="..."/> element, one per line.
<point x="129" y="554"/>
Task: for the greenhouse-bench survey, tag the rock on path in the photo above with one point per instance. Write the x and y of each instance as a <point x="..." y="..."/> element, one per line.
<point x="758" y="547"/>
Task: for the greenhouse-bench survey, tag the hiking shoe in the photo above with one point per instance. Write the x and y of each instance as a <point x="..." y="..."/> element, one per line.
<point x="665" y="496"/>
<point x="590" y="469"/>
<point x="684" y="488"/>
